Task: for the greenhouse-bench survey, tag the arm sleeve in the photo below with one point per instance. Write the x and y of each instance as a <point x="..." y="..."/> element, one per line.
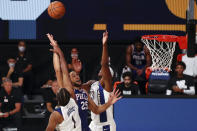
<point x="191" y="90"/>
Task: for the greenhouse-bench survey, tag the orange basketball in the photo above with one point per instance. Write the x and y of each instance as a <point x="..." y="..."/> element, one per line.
<point x="56" y="10"/>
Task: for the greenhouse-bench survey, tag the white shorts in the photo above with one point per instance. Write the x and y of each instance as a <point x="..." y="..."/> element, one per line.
<point x="102" y="127"/>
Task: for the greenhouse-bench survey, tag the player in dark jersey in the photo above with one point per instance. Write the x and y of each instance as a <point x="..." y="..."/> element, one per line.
<point x="82" y="98"/>
<point x="138" y="59"/>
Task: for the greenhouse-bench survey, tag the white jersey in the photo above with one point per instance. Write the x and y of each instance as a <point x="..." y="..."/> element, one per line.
<point x="100" y="97"/>
<point x="72" y="121"/>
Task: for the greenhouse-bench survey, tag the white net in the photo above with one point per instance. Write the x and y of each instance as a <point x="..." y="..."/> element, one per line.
<point x="161" y="53"/>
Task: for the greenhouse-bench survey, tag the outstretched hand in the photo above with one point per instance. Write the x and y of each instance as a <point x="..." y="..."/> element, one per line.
<point x="114" y="97"/>
<point x="105" y="37"/>
<point x="53" y="42"/>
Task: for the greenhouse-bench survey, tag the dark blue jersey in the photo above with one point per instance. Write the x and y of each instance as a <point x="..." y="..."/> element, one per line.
<point x="138" y="58"/>
<point x="82" y="102"/>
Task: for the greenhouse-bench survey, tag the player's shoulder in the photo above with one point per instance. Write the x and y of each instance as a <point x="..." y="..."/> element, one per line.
<point x="95" y="85"/>
<point x="188" y="77"/>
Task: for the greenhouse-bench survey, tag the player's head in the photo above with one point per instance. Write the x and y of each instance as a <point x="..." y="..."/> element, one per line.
<point x="7" y="84"/>
<point x="75" y="79"/>
<point x="127" y="77"/>
<point x="138" y="44"/>
<point x="55" y="86"/>
<point x="74" y="53"/>
<point x="63" y="97"/>
<point x="180" y="67"/>
<point x="21" y="46"/>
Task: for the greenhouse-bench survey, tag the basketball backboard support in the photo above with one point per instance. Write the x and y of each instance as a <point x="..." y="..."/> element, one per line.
<point x="191" y="29"/>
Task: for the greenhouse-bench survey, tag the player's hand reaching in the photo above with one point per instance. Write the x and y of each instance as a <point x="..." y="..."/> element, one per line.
<point x="105" y="37"/>
<point x="56" y="49"/>
<point x="114" y="97"/>
<point x="53" y="42"/>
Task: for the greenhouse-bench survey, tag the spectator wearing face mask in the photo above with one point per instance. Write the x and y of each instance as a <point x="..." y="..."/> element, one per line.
<point x="24" y="65"/>
<point x="74" y="63"/>
<point x="13" y="73"/>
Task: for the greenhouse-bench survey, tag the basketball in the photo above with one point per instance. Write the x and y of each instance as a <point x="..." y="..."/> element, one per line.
<point x="56" y="10"/>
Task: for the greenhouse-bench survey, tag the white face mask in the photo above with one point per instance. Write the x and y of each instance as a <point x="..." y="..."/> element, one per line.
<point x="74" y="56"/>
<point x="21" y="48"/>
<point x="11" y="65"/>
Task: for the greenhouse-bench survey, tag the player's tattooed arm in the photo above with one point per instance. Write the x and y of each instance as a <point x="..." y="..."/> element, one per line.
<point x="113" y="98"/>
<point x="106" y="75"/>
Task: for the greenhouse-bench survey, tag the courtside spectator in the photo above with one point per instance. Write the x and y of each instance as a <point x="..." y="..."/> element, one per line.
<point x="128" y="87"/>
<point x="10" y="105"/>
<point x="75" y="63"/>
<point x="181" y="84"/>
<point x="13" y="73"/>
<point x="49" y="95"/>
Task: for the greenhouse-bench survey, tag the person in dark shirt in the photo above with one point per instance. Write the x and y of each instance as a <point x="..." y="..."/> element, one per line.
<point x="24" y="65"/>
<point x="13" y="74"/>
<point x="75" y="63"/>
<point x="10" y="105"/>
<point x="128" y="87"/>
<point x="138" y="58"/>
<point x="49" y="95"/>
<point x="181" y="84"/>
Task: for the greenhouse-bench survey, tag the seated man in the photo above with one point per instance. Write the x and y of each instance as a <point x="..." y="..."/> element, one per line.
<point x="49" y="95"/>
<point x="13" y="74"/>
<point x="181" y="84"/>
<point x="128" y="86"/>
<point x="10" y="105"/>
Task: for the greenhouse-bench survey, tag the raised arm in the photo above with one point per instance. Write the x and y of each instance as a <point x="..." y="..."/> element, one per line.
<point x="63" y="65"/>
<point x="106" y="75"/>
<point x="113" y="98"/>
<point x="66" y="79"/>
<point x="56" y="63"/>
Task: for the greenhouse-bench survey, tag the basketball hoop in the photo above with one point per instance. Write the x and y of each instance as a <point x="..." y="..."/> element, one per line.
<point x="161" y="48"/>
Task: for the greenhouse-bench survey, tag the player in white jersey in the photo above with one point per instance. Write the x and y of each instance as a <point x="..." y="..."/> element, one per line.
<point x="66" y="116"/>
<point x="100" y="92"/>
